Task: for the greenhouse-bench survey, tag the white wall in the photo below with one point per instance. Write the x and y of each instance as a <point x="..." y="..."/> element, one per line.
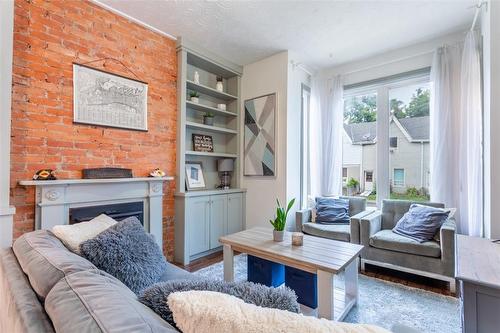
<point x="276" y="74"/>
<point x="490" y="28"/>
<point x="260" y="78"/>
<point x="398" y="61"/>
<point x="6" y="41"/>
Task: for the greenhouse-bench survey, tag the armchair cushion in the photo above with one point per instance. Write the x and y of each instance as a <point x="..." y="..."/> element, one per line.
<point x="388" y="240"/>
<point x="331" y="210"/>
<point x="421" y="222"/>
<point x="332" y="231"/>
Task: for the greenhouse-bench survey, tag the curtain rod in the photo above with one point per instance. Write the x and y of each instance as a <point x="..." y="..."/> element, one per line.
<point x="476" y="14"/>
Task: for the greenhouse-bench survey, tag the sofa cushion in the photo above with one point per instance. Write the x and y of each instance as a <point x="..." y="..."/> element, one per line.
<point x="218" y="313"/>
<point x="20" y="309"/>
<point x="45" y="260"/>
<point x="72" y="235"/>
<point x="393" y="210"/>
<point x="340" y="232"/>
<point x="127" y="252"/>
<point x="388" y="240"/>
<point x="280" y="298"/>
<point x="173" y="272"/>
<point x="332" y="210"/>
<point x="421" y="222"/>
<point x="94" y="301"/>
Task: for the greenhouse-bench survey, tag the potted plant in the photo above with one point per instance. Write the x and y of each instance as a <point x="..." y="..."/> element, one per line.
<point x="208" y="118"/>
<point x="280" y="220"/>
<point x="352" y="186"/>
<point x="194" y="96"/>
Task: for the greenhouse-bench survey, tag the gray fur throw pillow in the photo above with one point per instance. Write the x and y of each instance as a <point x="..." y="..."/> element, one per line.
<point x="155" y="297"/>
<point x="127" y="252"/>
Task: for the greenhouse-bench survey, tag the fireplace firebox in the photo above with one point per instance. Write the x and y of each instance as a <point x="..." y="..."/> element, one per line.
<point x="118" y="212"/>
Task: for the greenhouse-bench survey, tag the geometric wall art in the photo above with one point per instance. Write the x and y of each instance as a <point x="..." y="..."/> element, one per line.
<point x="260" y="136"/>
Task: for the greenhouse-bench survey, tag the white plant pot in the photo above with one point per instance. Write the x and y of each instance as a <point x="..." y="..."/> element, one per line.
<point x="278" y="236"/>
<point x="195" y="100"/>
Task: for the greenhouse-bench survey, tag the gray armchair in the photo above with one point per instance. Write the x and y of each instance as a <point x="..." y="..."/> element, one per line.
<point x="435" y="258"/>
<point x="343" y="232"/>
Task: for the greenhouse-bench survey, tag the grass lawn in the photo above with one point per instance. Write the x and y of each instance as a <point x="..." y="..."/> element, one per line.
<point x="399" y="196"/>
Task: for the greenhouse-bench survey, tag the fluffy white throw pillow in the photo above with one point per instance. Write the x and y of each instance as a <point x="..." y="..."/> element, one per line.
<point x="208" y="311"/>
<point x="74" y="234"/>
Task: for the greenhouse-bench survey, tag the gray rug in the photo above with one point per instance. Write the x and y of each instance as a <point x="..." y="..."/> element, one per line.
<point x="382" y="303"/>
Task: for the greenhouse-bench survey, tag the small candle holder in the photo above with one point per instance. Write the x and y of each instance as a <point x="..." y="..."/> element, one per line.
<point x="297" y="239"/>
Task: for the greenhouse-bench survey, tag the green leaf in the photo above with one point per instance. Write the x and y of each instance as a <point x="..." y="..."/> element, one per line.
<point x="290" y="204"/>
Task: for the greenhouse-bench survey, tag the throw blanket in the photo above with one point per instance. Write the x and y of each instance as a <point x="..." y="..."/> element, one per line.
<point x="155" y="297"/>
<point x="207" y="311"/>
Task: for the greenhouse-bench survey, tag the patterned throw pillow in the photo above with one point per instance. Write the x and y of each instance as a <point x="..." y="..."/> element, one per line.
<point x="421" y="222"/>
<point x="128" y="253"/>
<point x="332" y="210"/>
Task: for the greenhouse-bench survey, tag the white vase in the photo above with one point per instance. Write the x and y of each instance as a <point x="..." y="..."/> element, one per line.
<point x="195" y="100"/>
<point x="196" y="77"/>
<point x="278" y="236"/>
<point x="219" y="86"/>
<point x="221" y="106"/>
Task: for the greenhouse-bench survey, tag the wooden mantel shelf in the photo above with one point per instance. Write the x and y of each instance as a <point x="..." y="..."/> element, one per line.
<point x="92" y="181"/>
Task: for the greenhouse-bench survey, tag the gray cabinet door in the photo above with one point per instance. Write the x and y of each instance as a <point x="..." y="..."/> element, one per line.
<point x="234" y="213"/>
<point x="198" y="224"/>
<point x="218" y="218"/>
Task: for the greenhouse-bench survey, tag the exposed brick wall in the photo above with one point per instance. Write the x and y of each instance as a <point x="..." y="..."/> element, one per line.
<point x="48" y="37"/>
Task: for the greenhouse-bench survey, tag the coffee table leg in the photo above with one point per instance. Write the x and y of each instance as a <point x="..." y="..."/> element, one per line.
<point x="351" y="282"/>
<point x="325" y="295"/>
<point x="228" y="255"/>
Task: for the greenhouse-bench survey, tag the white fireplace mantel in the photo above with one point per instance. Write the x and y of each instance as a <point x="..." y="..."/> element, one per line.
<point x="54" y="198"/>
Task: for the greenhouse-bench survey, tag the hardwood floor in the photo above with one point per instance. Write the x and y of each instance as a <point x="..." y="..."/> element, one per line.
<point x="382" y="273"/>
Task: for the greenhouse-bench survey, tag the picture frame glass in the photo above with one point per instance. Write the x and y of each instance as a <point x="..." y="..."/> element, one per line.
<point x="195" y="180"/>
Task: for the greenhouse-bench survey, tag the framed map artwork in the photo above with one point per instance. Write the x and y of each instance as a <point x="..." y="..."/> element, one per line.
<point x="105" y="99"/>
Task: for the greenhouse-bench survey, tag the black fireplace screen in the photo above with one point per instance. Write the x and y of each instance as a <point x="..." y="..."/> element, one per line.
<point x="117" y="211"/>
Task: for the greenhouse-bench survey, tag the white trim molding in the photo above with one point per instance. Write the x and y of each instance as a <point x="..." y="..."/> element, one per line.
<point x="6" y="40"/>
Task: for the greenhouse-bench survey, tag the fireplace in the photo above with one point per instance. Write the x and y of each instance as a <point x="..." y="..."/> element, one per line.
<point x="118" y="212"/>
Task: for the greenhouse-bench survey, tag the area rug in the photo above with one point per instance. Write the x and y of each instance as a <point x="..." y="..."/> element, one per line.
<point x="381" y="302"/>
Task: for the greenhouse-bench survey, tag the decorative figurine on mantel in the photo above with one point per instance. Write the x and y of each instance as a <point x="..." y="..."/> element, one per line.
<point x="157" y="173"/>
<point x="45" y="174"/>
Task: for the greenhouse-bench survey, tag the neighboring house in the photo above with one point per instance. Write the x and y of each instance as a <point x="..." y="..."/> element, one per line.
<point x="409" y="154"/>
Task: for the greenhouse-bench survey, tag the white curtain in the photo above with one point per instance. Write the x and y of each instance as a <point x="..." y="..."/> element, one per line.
<point x="326" y="121"/>
<point x="456" y="133"/>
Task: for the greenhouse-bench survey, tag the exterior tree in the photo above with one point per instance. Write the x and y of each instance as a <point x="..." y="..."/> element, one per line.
<point x="361" y="110"/>
<point x="397" y="108"/>
<point x="419" y="104"/>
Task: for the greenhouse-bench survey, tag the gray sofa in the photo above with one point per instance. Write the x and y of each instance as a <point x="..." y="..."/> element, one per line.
<point x="44" y="287"/>
<point x="341" y="232"/>
<point x="435" y="258"/>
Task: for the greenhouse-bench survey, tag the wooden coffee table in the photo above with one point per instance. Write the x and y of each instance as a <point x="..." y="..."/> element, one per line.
<point x="320" y="256"/>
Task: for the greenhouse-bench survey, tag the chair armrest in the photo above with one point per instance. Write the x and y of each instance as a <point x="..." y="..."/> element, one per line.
<point x="354" y="224"/>
<point x="369" y="225"/>
<point x="447" y="241"/>
<point x="301" y="217"/>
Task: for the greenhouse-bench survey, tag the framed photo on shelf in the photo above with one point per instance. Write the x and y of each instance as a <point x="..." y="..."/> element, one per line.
<point x="203" y="143"/>
<point x="194" y="176"/>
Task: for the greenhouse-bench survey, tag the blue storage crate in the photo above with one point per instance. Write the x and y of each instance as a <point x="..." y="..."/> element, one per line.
<point x="304" y="284"/>
<point x="265" y="272"/>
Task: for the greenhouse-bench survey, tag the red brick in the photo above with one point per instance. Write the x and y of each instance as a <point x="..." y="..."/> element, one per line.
<point x="50" y="36"/>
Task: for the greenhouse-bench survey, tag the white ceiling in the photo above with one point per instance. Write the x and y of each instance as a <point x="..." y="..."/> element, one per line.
<point x="322" y="33"/>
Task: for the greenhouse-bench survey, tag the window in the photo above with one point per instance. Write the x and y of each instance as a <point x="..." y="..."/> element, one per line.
<point x="359" y="144"/>
<point x="393" y="142"/>
<point x="399" y="177"/>
<point x="386" y="137"/>
<point x="304" y="142"/>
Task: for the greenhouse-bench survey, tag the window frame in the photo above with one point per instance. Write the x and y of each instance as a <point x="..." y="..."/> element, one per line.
<point x="381" y="87"/>
<point x="394" y="177"/>
<point x="390" y="142"/>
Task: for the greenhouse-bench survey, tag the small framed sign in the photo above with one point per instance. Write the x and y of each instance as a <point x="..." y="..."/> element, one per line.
<point x="203" y="143"/>
<point x="194" y="176"/>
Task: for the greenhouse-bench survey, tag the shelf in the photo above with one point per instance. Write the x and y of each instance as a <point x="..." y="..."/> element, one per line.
<point x="210" y="66"/>
<point x="209" y="192"/>
<point x="210" y="91"/>
<point x="215" y="154"/>
<point x="206" y="108"/>
<point x="191" y="124"/>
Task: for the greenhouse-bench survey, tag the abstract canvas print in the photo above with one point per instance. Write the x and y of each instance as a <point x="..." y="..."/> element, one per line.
<point x="260" y="136"/>
<point x="105" y="99"/>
